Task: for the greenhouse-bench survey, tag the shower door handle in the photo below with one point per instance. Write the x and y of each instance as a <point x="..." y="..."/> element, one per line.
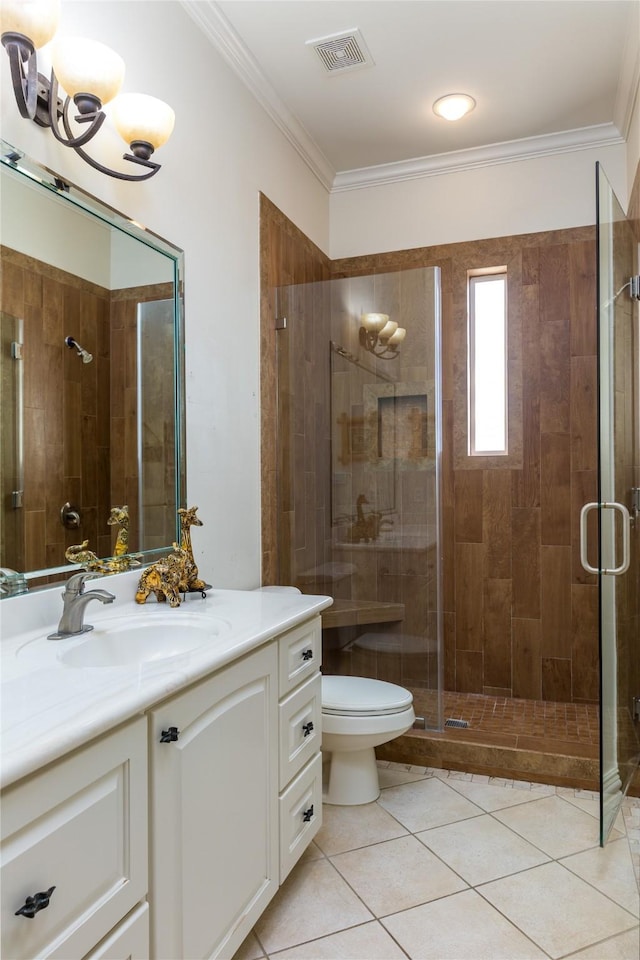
<point x="626" y="524"/>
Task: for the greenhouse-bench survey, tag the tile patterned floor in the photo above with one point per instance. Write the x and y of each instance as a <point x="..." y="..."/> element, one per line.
<point x="455" y="866"/>
<point x="544" y="719"/>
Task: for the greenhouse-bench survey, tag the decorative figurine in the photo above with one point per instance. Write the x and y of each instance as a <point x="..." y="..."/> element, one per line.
<point x="176" y="574"/>
<point x="188" y="519"/>
<point x="80" y="554"/>
<point x="120" y="515"/>
<point x="164" y="578"/>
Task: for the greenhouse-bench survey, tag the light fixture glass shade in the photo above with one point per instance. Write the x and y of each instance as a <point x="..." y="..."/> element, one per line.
<point x="389" y="328"/>
<point x="87" y="66"/>
<point x="397" y="337"/>
<point x="374" y="321"/>
<point x="454" y="106"/>
<point x="36" y="19"/>
<point x="140" y="117"/>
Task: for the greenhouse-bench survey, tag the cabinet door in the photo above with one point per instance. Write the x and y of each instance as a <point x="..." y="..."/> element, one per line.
<point x="79" y="826"/>
<point x="214" y="810"/>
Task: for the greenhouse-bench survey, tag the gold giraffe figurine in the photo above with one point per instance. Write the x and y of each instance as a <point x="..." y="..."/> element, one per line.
<point x="120" y="515"/>
<point x="176" y="574"/>
<point x="189" y="519"/>
<point x="165" y="579"/>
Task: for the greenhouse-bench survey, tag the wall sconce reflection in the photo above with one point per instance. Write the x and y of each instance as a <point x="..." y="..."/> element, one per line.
<point x="381" y="336"/>
<point x="90" y="73"/>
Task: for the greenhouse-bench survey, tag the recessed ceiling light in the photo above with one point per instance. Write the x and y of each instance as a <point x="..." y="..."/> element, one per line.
<point x="454" y="106"/>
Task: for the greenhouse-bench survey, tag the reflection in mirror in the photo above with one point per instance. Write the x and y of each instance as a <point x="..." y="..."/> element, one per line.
<point x="91" y="376"/>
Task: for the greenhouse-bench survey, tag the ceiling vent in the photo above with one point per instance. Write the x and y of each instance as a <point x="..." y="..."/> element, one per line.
<point x="342" y="51"/>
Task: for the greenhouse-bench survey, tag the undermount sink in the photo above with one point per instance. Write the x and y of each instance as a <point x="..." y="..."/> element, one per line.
<point x="122" y="643"/>
<point x="131" y="641"/>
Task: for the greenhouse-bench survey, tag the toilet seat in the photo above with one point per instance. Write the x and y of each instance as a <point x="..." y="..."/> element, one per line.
<point x="362" y="697"/>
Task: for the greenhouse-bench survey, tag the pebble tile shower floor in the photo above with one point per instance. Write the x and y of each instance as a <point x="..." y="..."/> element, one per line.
<point x="457" y="866"/>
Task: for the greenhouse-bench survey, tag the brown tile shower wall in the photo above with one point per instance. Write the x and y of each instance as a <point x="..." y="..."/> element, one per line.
<point x="66" y="430"/>
<point x="520" y="614"/>
<point x="288" y="257"/>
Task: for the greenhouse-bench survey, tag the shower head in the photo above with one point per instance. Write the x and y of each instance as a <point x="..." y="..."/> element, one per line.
<point x="71" y="343"/>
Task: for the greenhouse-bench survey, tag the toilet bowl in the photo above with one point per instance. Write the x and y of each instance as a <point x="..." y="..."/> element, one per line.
<point x="359" y="714"/>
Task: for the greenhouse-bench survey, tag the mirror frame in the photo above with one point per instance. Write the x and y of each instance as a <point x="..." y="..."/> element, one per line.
<point x="17" y="161"/>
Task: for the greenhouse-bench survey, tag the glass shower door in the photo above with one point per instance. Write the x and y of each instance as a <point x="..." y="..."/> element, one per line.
<point x="618" y="505"/>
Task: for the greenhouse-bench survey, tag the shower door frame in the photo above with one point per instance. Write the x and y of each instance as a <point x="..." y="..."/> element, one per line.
<point x="618" y="386"/>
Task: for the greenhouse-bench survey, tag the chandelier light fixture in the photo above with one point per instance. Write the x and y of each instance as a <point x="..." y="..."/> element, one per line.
<point x="380" y="335"/>
<point x="91" y="75"/>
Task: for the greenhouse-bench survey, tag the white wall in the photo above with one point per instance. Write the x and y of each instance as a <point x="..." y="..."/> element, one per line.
<point x="224" y="150"/>
<point x="85" y="250"/>
<point x="527" y="196"/>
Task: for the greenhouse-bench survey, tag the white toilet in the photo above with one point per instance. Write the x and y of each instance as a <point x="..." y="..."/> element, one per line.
<point x="359" y="714"/>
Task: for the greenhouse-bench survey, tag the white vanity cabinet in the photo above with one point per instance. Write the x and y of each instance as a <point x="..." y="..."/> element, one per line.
<point x="80" y="827"/>
<point x="236" y="794"/>
<point x="182" y="866"/>
<point x="214" y="816"/>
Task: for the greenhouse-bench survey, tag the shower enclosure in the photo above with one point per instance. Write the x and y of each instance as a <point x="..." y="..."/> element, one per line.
<point x="425" y="550"/>
<point x="359" y="448"/>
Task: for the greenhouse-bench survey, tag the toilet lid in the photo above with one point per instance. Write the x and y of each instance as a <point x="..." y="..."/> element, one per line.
<point x="362" y="697"/>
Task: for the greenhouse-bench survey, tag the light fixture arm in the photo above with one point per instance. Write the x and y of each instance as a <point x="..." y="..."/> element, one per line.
<point x="153" y="167"/>
<point x="377" y="346"/>
<point x="24" y="72"/>
<point x="95" y="117"/>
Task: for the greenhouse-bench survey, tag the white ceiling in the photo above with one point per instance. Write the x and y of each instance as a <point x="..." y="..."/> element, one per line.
<point x="547" y="75"/>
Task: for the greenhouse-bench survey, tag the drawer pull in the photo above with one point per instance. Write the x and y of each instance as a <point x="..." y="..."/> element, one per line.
<point x="170" y="735"/>
<point x="307" y="654"/>
<point x="307" y="814"/>
<point x="307" y="728"/>
<point x="35" y="903"/>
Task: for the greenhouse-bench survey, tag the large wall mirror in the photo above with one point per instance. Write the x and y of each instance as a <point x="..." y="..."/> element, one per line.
<point x="91" y="375"/>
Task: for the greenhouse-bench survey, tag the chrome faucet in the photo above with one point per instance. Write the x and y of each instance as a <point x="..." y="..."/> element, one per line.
<point x="75" y="600"/>
<point x="12" y="583"/>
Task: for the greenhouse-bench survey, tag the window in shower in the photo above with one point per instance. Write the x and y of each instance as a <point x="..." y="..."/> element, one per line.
<point x="487" y="361"/>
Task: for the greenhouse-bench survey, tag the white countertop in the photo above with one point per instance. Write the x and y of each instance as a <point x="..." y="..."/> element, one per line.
<point x="48" y="708"/>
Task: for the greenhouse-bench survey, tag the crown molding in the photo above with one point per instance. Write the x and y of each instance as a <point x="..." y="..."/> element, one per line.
<point x="213" y="23"/>
<point x="528" y="148"/>
<point x="629" y="77"/>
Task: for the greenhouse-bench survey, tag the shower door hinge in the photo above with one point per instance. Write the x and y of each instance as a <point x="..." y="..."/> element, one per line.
<point x="16" y="499"/>
<point x="281" y="323"/>
<point x="635" y="708"/>
<point x="16" y="350"/>
<point x="634" y="287"/>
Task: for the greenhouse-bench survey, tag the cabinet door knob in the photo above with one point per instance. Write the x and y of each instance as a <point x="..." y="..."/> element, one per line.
<point x="35" y="903"/>
<point x="307" y="654"/>
<point x="307" y="728"/>
<point x="307" y="814"/>
<point x="170" y="735"/>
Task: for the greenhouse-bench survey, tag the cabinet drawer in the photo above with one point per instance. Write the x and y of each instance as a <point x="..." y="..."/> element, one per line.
<point x="81" y="827"/>
<point x="299" y="654"/>
<point x="300" y="815"/>
<point x="129" y="941"/>
<point x="300" y="728"/>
